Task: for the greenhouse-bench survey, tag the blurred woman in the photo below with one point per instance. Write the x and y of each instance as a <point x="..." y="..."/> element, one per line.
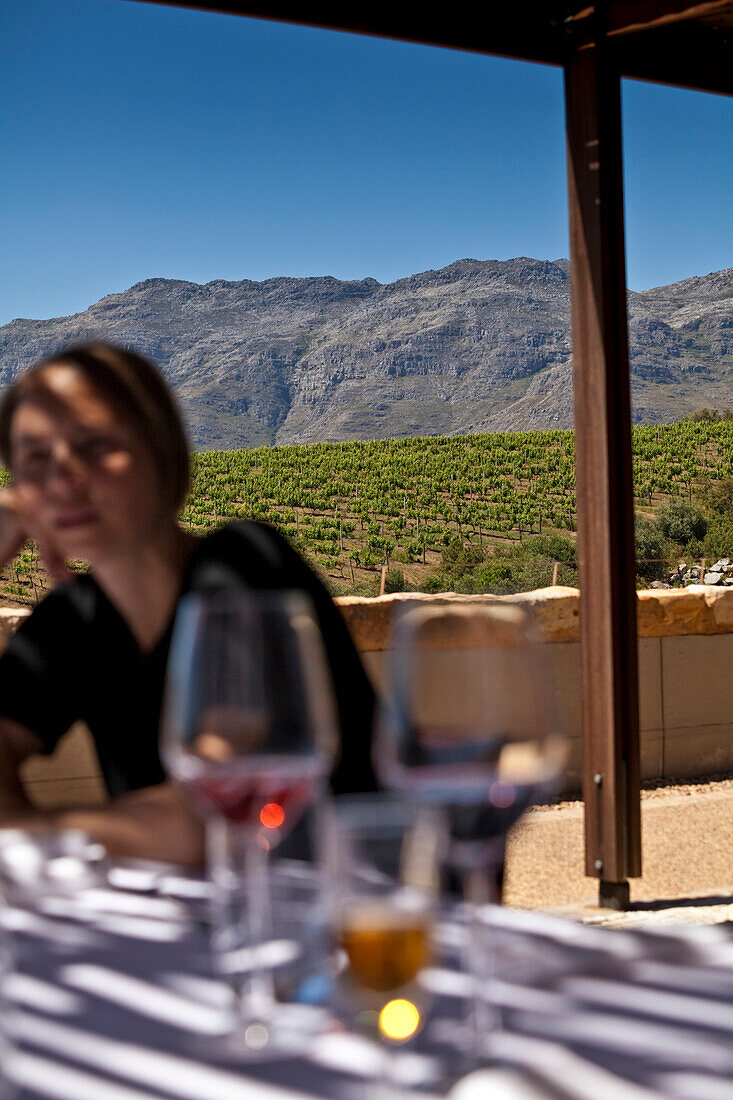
<point x="99" y="467"/>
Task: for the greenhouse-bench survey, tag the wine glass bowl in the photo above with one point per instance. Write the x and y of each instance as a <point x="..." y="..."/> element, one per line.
<point x="249" y="725"/>
<point x="467" y="717"/>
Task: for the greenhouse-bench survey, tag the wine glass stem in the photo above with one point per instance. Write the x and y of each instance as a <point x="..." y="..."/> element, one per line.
<point x="257" y="993"/>
<point x="480" y="961"/>
<point x="238" y="867"/>
<point x="386" y="1084"/>
<point x="478" y="966"/>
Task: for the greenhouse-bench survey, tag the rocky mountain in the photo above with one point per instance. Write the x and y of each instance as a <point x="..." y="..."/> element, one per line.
<point x="478" y="345"/>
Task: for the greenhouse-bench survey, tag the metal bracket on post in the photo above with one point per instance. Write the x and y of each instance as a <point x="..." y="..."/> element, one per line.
<point x="613" y="895"/>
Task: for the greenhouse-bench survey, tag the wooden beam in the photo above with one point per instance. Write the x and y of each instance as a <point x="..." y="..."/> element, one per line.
<point x="630" y="16"/>
<point x="691" y="55"/>
<point x="604" y="483"/>
<point x="529" y="30"/>
<point x="668" y="41"/>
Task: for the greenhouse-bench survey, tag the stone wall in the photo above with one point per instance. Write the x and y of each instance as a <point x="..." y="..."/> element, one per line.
<point x="685" y="664"/>
<point x="697" y="609"/>
<point x="71" y="776"/>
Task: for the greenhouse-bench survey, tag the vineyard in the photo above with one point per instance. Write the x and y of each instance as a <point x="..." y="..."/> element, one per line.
<point x="413" y="504"/>
<point x="351" y="507"/>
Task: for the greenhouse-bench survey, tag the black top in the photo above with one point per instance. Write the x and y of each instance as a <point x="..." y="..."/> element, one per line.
<point x="75" y="658"/>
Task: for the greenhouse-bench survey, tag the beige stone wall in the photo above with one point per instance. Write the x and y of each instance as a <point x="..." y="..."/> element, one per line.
<point x="698" y="609"/>
<point x="685" y="664"/>
<point x="71" y="776"/>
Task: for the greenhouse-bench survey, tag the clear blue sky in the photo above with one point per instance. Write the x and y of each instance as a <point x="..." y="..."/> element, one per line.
<point x="143" y="141"/>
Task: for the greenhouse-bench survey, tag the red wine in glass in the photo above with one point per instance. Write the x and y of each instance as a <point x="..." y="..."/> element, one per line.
<point x="269" y="794"/>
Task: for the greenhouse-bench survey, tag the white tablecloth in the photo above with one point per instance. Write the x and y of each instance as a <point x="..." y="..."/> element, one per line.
<point x="110" y="997"/>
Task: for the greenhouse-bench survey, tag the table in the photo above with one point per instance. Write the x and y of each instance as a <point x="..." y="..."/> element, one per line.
<point x="111" y="998"/>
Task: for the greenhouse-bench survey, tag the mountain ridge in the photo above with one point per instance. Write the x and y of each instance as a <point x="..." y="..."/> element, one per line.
<point x="477" y="345"/>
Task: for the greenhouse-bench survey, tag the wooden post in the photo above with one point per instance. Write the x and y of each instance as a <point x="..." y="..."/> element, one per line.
<point x="382" y="580"/>
<point x="554" y="573"/>
<point x="604" y="481"/>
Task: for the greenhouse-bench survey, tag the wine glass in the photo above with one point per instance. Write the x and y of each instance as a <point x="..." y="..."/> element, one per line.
<point x="466" y="723"/>
<point x="382" y="856"/>
<point x="249" y="732"/>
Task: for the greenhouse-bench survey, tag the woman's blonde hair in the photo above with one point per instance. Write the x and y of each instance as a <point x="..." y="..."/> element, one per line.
<point x="137" y="393"/>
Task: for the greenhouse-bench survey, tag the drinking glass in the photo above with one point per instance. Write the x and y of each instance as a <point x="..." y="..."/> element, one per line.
<point x="467" y="724"/>
<point x="383" y="858"/>
<point x="249" y="732"/>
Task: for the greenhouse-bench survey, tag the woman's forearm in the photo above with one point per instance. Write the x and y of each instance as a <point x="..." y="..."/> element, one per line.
<point x="153" y="823"/>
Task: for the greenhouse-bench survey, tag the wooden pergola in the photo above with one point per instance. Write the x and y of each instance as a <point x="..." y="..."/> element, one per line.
<point x="680" y="42"/>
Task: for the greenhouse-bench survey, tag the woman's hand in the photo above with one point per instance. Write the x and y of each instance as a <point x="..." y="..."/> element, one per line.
<point x="17" y="525"/>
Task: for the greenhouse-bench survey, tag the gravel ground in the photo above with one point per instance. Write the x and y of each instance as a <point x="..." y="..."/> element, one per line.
<point x="687" y="853"/>
<point x="653" y="788"/>
<point x="675" y="914"/>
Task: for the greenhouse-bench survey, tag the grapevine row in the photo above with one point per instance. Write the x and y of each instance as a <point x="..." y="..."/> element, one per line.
<point x="366" y="503"/>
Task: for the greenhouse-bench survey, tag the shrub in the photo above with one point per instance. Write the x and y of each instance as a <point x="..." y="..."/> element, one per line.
<point x="500" y="577"/>
<point x="651" y="546"/>
<point x="458" y="553"/>
<point x="718" y="541"/>
<point x="550" y="547"/>
<point x="395" y="581"/>
<point x="680" y="522"/>
<point x="521" y="568"/>
<point x="711" y="416"/>
<point x="718" y="496"/>
<point x="695" y="549"/>
<point x="435" y="583"/>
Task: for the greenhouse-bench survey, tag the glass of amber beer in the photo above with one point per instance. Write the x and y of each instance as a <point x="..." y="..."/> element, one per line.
<point x="383" y="858"/>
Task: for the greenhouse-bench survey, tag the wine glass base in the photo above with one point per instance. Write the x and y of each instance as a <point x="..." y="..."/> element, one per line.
<point x="461" y="1048"/>
<point x="283" y="1033"/>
